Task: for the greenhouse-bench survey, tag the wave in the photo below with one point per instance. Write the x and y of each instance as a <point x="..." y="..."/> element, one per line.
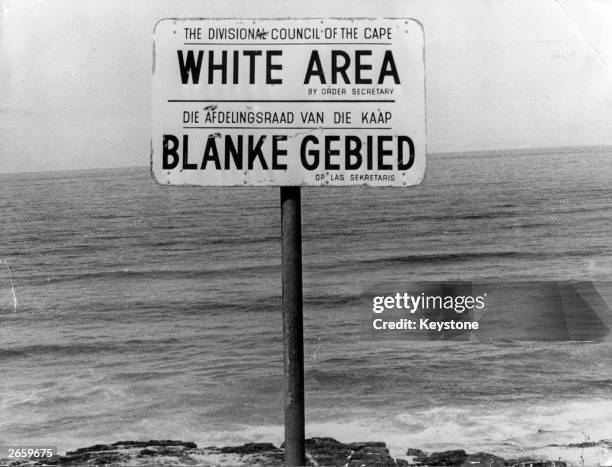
<point x="128" y="274"/>
<point x="449" y="257"/>
<point x="525" y="428"/>
<point x="466" y="256"/>
<point x="508" y="430"/>
<point x="80" y="348"/>
<point x="332" y="300"/>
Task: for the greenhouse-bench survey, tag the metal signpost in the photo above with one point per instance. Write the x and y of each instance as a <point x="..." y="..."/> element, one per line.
<point x="289" y="103"/>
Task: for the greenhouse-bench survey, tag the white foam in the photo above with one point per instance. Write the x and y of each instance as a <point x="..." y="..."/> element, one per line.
<point x="506" y="430"/>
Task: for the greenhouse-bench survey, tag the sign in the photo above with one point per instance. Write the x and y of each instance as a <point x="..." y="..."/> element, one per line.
<point x="288" y="102"/>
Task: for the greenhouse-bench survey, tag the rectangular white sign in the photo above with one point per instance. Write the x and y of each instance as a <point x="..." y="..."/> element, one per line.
<point x="290" y="102"/>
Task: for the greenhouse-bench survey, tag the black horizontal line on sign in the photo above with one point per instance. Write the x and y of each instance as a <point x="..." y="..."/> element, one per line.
<point x="318" y="101"/>
<point x="284" y="128"/>
<point x="287" y="43"/>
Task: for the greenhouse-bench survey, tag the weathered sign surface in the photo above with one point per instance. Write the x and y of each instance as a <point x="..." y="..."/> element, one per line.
<point x="288" y="102"/>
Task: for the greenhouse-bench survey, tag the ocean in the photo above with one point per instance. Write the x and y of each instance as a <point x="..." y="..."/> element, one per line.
<point x="147" y="312"/>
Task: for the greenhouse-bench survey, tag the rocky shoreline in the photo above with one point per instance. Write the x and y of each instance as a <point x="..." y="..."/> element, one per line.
<point x="319" y="452"/>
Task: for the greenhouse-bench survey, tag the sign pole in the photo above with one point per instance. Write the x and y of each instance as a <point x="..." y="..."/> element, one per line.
<point x="293" y="343"/>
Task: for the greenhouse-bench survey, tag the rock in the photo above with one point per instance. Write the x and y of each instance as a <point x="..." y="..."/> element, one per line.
<point x="255" y="454"/>
<point x="522" y="462"/>
<point x="104" y="457"/>
<point x="369" y="444"/>
<point x="249" y="448"/>
<point x="118" y="454"/>
<point x="370" y="455"/>
<point x="415" y="453"/>
<point x="319" y="451"/>
<point x="265" y="458"/>
<point x="327" y="451"/>
<point x="170" y="451"/>
<point x="95" y="448"/>
<point x="147" y="452"/>
<point x="445" y="458"/>
<point x="484" y="459"/>
<point x="134" y="444"/>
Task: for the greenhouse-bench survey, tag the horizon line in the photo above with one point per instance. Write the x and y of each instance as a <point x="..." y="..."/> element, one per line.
<point x="541" y="150"/>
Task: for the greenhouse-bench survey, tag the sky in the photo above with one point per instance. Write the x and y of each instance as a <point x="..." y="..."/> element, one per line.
<point x="75" y="75"/>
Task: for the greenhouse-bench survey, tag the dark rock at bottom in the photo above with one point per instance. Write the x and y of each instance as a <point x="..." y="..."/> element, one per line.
<point x="319" y="452"/>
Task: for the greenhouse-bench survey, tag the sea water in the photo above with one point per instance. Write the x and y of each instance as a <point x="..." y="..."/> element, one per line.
<point x="154" y="312"/>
